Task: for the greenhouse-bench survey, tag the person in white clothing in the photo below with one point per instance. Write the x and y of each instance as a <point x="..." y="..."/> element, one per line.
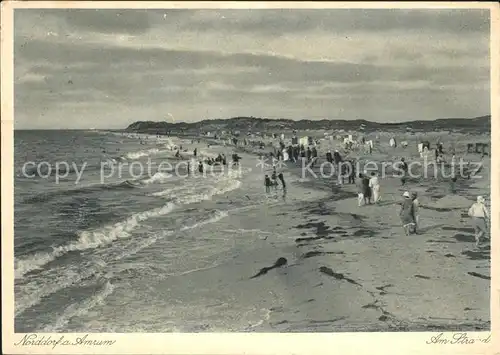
<point x="480" y="217"/>
<point x="375" y="186"/>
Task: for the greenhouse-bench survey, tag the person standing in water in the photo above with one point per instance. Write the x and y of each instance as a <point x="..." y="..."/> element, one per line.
<point x="480" y="218"/>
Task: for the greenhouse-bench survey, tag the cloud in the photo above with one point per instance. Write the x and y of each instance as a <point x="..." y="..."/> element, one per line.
<point x="284" y="21"/>
<point x="110" y="67"/>
<point x="100" y="20"/>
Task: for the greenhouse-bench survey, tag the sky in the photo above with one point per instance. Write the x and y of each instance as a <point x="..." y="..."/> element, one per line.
<point x="106" y="68"/>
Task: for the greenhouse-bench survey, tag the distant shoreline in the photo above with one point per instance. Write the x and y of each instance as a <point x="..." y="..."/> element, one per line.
<point x="253" y="124"/>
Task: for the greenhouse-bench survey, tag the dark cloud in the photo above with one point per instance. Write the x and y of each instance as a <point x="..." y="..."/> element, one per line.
<point x="96" y="20"/>
<point x="266" y="68"/>
<point x="283" y="21"/>
<point x="269" y="21"/>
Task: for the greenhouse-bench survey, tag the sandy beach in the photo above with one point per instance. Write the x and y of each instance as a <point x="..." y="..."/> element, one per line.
<point x="352" y="268"/>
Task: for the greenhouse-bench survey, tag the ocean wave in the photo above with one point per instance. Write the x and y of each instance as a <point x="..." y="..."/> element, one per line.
<point x="38" y="288"/>
<point x="142" y="153"/>
<point x="173" y="192"/>
<point x="49" y="170"/>
<point x="106" y="235"/>
<point x="218" y="190"/>
<point x="116" y="160"/>
<point x="158" y="178"/>
<point x="217" y="217"/>
<point x="89" y="240"/>
<point x="47" y="196"/>
<point x="79" y="309"/>
<point x="45" y="171"/>
<point x="197" y="193"/>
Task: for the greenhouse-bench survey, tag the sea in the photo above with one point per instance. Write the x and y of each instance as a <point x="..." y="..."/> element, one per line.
<point x="109" y="227"/>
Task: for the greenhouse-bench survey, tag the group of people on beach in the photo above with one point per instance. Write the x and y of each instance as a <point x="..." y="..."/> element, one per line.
<point x="367" y="183"/>
<point x="272" y="182"/>
<point x="368" y="189"/>
<point x="300" y="152"/>
<point x="219" y="160"/>
<point x="478" y="212"/>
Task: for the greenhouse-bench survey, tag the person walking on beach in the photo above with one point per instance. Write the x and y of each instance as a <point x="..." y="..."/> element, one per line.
<point x="352" y="172"/>
<point x="407" y="214"/>
<point x="200" y="167"/>
<point x="480" y="218"/>
<point x="404" y="168"/>
<point x="360" y="186"/>
<point x="367" y="192"/>
<point x="375" y="186"/>
<point x="314" y="154"/>
<point x="274" y="179"/>
<point x="290" y="153"/>
<point x="415" y="210"/>
<point x="329" y="156"/>
<point x="337" y="159"/>
<point x="195" y="152"/>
